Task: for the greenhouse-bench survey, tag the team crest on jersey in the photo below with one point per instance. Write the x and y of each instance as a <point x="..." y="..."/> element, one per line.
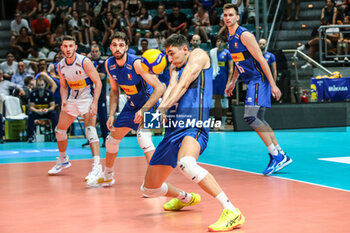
<point x="128" y="66"/>
<point x="129" y="77"/>
<point x="112" y="67"/>
<point x="78" y="64"/>
<point x="236" y="45"/>
<point x="237" y="36"/>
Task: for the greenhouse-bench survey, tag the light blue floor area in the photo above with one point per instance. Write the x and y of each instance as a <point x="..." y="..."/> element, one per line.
<point x="238" y="150"/>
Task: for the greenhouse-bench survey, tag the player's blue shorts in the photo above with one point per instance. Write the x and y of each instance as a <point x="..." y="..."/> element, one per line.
<point x="168" y="149"/>
<point x="259" y="93"/>
<point x="219" y="85"/>
<point x="126" y="117"/>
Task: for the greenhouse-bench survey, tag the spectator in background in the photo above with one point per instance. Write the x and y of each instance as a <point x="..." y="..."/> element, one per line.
<point x="144" y="47"/>
<point x="81" y="6"/>
<point x="134" y="7"/>
<point x="201" y="23"/>
<point x="329" y="11"/>
<point x="44" y="75"/>
<point x="53" y="66"/>
<point x="222" y="69"/>
<point x="47" y="7"/>
<point x="144" y="25"/>
<point x="9" y="67"/>
<point x="289" y="9"/>
<point x="109" y="24"/>
<point x="17" y="24"/>
<point x="344" y="41"/>
<point x="127" y="24"/>
<point x="98" y="8"/>
<point x="29" y="85"/>
<point x="159" y="22"/>
<point x="209" y="6"/>
<point x="41" y="105"/>
<point x="343" y="7"/>
<point x="34" y="53"/>
<point x="27" y="8"/>
<point x="195" y="42"/>
<point x="22" y="44"/>
<point x="116" y="7"/>
<point x="331" y="36"/>
<point x="41" y="30"/>
<point x="21" y="74"/>
<point x="1" y="130"/>
<point x="269" y="57"/>
<point x="56" y="38"/>
<point x="250" y="11"/>
<point x="64" y="6"/>
<point x="5" y="87"/>
<point x="177" y="22"/>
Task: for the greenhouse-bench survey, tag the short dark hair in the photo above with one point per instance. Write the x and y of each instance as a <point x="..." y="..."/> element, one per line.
<point x="67" y="37"/>
<point x="27" y="80"/>
<point x="121" y="36"/>
<point x="221" y="38"/>
<point x="229" y="6"/>
<point x="176" y="40"/>
<point x="144" y="40"/>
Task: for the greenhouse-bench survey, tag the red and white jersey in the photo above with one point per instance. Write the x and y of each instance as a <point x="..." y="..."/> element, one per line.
<point x="77" y="79"/>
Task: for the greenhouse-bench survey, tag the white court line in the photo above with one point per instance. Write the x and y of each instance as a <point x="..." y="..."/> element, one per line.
<point x="283" y="178"/>
<point x="229" y="168"/>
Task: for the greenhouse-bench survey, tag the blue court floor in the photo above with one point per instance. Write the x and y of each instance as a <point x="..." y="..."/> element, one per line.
<point x="321" y="156"/>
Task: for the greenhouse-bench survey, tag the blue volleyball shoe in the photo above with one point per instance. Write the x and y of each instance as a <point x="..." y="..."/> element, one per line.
<point x="275" y="163"/>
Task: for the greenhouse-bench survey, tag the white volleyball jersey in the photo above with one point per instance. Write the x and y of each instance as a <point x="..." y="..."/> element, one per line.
<point x="77" y="79"/>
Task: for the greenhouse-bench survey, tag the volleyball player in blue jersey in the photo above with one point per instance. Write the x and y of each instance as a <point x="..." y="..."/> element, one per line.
<point x="188" y="98"/>
<point x="143" y="90"/>
<point x="252" y="67"/>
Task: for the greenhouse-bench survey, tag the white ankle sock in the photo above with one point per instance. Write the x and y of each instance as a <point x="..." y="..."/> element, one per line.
<point x="96" y="159"/>
<point x="278" y="147"/>
<point x="108" y="170"/>
<point x="272" y="150"/>
<point x="225" y="202"/>
<point x="62" y="155"/>
<point x="184" y="197"/>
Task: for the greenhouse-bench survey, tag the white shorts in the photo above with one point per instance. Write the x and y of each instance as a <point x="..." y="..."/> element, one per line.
<point x="76" y="107"/>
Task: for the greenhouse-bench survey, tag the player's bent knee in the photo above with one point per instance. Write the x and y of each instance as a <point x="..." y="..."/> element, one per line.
<point x="91" y="134"/>
<point x="189" y="167"/>
<point x="61" y="135"/>
<point x="144" y="139"/>
<point x="112" y="145"/>
<point x="252" y="121"/>
<point x="157" y="192"/>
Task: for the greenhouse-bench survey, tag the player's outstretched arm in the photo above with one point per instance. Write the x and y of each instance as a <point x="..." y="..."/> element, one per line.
<point x="198" y="60"/>
<point x="154" y="82"/>
<point x="249" y="41"/>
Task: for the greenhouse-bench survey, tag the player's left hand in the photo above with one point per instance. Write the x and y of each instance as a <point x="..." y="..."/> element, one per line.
<point x="138" y="117"/>
<point x="93" y="109"/>
<point x="276" y="93"/>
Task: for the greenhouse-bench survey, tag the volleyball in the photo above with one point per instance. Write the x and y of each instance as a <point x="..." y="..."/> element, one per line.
<point x="153" y="61"/>
<point x="336" y="74"/>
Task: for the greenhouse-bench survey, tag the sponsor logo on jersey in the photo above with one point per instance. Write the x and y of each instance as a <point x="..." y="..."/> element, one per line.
<point x="128" y="66"/>
<point x="112" y="67"/>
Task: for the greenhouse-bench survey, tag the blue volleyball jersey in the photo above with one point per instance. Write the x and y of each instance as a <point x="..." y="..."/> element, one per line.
<point x="134" y="86"/>
<point x="194" y="105"/>
<point x="270" y="58"/>
<point x="248" y="68"/>
<point x="223" y="58"/>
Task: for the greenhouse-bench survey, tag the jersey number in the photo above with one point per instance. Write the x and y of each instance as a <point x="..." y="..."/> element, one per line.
<point x="240" y="68"/>
<point x="76" y="94"/>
